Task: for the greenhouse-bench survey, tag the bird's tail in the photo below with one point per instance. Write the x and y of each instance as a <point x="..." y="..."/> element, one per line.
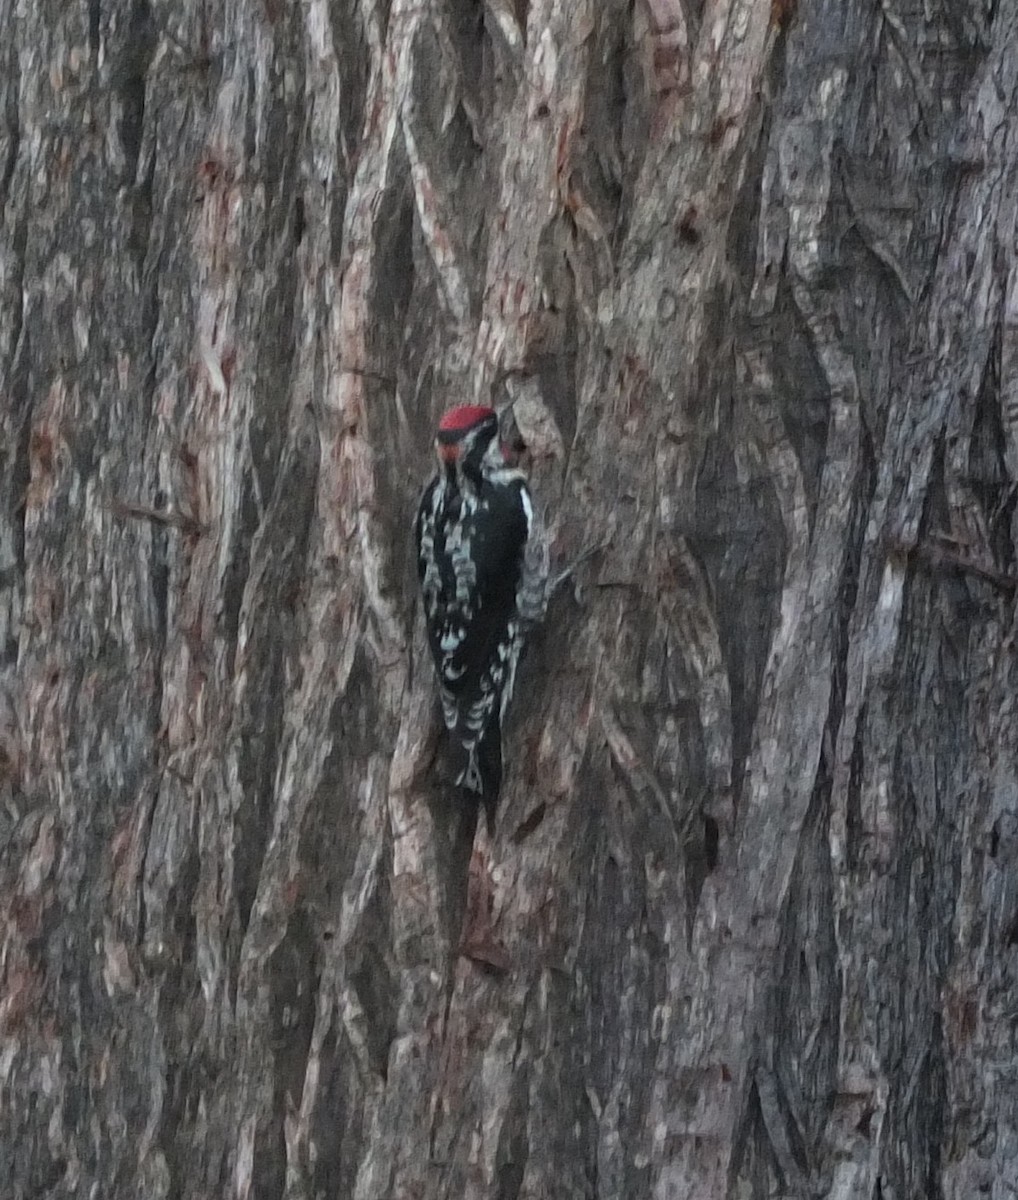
<point x="482" y="772"/>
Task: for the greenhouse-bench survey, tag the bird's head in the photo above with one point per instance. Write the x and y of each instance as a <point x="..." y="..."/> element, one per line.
<point x="468" y="438"/>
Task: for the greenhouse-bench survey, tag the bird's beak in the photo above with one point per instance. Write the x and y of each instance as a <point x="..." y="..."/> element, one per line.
<point x="448" y="452"/>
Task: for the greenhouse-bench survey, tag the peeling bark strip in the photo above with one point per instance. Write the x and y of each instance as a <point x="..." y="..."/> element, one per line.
<point x="747" y="271"/>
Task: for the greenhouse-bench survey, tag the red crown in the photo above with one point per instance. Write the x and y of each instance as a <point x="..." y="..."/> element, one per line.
<point x="459" y="420"/>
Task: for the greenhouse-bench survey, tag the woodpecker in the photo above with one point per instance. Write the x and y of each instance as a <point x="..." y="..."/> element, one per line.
<point x="483" y="566"/>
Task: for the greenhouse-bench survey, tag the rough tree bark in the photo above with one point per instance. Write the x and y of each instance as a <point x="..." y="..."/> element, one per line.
<point x="749" y="272"/>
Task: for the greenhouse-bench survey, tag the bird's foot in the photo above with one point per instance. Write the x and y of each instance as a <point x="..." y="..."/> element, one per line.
<point x="567" y="573"/>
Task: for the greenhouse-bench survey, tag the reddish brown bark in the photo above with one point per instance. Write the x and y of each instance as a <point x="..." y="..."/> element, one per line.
<point x="747" y="272"/>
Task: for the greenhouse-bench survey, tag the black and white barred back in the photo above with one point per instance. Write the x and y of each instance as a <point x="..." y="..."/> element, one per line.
<point x="482" y="563"/>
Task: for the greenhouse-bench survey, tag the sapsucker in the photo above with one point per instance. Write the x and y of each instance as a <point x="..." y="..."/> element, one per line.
<point x="482" y="559"/>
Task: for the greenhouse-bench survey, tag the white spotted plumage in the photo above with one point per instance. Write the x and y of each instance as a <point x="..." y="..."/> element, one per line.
<point x="483" y="565"/>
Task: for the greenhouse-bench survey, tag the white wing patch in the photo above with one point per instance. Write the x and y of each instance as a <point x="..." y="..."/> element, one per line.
<point x="532" y="595"/>
<point x="528" y="509"/>
<point x="450" y="590"/>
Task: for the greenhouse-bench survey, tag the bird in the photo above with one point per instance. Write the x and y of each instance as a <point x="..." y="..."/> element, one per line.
<point x="482" y="561"/>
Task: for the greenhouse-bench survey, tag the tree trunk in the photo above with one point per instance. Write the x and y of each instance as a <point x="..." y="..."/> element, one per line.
<point x="748" y="272"/>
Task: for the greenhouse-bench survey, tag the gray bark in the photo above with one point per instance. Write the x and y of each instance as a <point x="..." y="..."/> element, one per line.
<point x="749" y="271"/>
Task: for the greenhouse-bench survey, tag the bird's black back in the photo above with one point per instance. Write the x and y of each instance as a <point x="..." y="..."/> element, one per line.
<point x="474" y="542"/>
